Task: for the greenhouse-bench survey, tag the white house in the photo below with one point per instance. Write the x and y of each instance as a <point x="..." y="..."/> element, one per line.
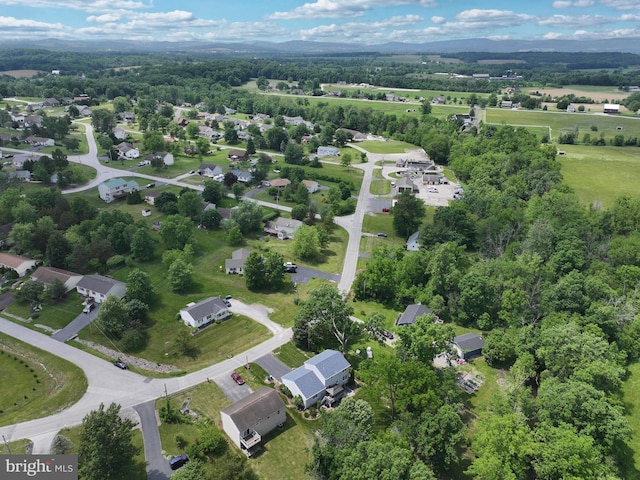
<point x="19" y="160"/>
<point x="611" y="108"/>
<point x="235" y="264"/>
<point x="248" y="420"/>
<point x="328" y="152"/>
<point x="21" y="265"/>
<point x="312" y="186"/>
<point x="48" y="275"/>
<point x="99" y="288"/>
<point x="413" y="245"/>
<point x="209" y="170"/>
<point x="40" y="141"/>
<point x="167" y="158"/>
<point x="126" y="150"/>
<point x="571" y="108"/>
<point x="320" y="379"/>
<point x="119" y="133"/>
<point x="199" y="314"/>
<point x="283" y="228"/>
<point x="150" y="196"/>
<point x="116" y="188"/>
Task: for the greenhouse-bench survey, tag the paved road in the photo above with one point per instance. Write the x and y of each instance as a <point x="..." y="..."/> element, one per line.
<point x="75" y="325"/>
<point x="157" y="466"/>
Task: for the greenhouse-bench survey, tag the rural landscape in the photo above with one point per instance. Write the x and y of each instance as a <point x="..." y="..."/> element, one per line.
<point x="338" y="266"/>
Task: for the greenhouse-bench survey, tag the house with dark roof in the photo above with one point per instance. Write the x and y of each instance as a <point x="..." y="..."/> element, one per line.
<point x="99" y="287"/>
<point x="468" y="345"/>
<point x="405" y="184"/>
<point x="48" y="275"/>
<point x="126" y="150"/>
<point x="411" y="313"/>
<point x="320" y="379"/>
<point x="197" y="315"/>
<point x="209" y="170"/>
<point x="238" y="155"/>
<point x="235" y="264"/>
<point x="21" y="265"/>
<point x="248" y="420"/>
<point x="243" y="177"/>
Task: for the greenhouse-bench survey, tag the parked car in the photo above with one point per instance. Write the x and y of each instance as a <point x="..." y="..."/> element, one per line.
<point x="237" y="378"/>
<point x="386" y="209"/>
<point x="290" y="267"/>
<point x="387" y="334"/>
<point x="227" y="303"/>
<point x="178" y="461"/>
<point x="88" y="307"/>
<point x="151" y="185"/>
<point x="228" y="297"/>
<point x="192" y="172"/>
<point x="382" y="234"/>
<point x="120" y="364"/>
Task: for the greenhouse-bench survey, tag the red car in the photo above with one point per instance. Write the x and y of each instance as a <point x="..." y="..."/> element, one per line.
<point x="385" y="209"/>
<point x="237" y="378"/>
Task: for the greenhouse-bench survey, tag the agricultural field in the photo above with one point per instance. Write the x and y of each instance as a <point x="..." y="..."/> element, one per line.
<point x="597" y="93"/>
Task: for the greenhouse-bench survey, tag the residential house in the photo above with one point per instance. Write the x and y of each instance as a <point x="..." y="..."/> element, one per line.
<point x="411" y="313"/>
<point x="243" y="177"/>
<point x="99" y="287"/>
<point x="9" y="137"/>
<point x="611" y="108"/>
<point x="439" y="100"/>
<point x="465" y="118"/>
<point x="320" y="379"/>
<point x="150" y="196"/>
<point x="197" y="315"/>
<point x="119" y="133"/>
<point x="21" y="265"/>
<point x="328" y="152"/>
<point x="279" y="182"/>
<point x="571" y="108"/>
<point x="283" y="228"/>
<point x="312" y="185"/>
<point x="48" y="275"/>
<point x="468" y="345"/>
<point x="209" y="170"/>
<point x="19" y="160"/>
<point x="84" y="111"/>
<point x="248" y="420"/>
<point x="116" y="188"/>
<point x="506" y="104"/>
<point x="126" y="150"/>
<point x="167" y="158"/>
<point x="127" y="117"/>
<point x="32" y="120"/>
<point x="183" y="122"/>
<point x="235" y="264"/>
<point x="23" y="176"/>
<point x="238" y="155"/>
<point x="40" y="141"/>
<point x="51" y="102"/>
<point x="413" y="244"/>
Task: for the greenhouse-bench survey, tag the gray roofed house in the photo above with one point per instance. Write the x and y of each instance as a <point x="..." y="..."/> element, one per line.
<point x="468" y="345"/>
<point x="48" y="275"/>
<point x="413" y="242"/>
<point x="247" y="420"/>
<point x="283" y="228"/>
<point x="197" y="315"/>
<point x="235" y="264"/>
<point x="404" y="183"/>
<point x="209" y="170"/>
<point x="411" y="313"/>
<point x="311" y="381"/>
<point x="99" y="287"/>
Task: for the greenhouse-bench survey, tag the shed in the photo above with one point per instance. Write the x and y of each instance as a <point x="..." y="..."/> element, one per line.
<point x="468" y="345"/>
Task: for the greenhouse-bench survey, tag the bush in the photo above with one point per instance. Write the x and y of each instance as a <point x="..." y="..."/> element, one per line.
<point x="285" y="390"/>
<point x="115" y="261"/>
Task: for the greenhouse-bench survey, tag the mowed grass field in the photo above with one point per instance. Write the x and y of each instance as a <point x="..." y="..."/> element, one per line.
<point x="36" y="383"/>
<point x="601" y="174"/>
<point x="568" y="122"/>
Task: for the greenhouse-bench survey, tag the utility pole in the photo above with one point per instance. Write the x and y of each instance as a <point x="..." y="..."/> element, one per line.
<point x="6" y="444"/>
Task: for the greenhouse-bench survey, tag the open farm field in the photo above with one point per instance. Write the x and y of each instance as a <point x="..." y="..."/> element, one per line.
<point x="601" y="174"/>
<point x="567" y="122"/>
<point x="21" y="73"/>
<point x="599" y="94"/>
<point x="391" y="146"/>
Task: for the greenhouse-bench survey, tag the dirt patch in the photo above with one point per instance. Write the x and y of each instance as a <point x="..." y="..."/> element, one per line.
<point x="21" y="73"/>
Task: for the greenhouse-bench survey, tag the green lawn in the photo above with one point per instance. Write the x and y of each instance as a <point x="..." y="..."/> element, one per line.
<point x="19" y="447"/>
<point x="567" y="122"/>
<point x="291" y="355"/>
<point x="55" y="315"/>
<point x="601" y="174"/>
<point x="391" y="146"/>
<point x="35" y="391"/>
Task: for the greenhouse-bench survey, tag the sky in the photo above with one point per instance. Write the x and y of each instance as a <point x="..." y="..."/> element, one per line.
<point x="343" y="21"/>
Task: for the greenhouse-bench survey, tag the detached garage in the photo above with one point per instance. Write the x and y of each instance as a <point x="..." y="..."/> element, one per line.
<point x="469" y="345"/>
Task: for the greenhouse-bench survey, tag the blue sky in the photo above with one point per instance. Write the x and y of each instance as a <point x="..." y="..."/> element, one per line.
<point x="355" y="21"/>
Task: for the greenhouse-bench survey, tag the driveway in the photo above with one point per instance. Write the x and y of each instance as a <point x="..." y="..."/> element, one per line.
<point x="6" y="299"/>
<point x="230" y="388"/>
<point x="157" y="466"/>
<point x="76" y="325"/>
<point x="304" y="274"/>
<point x="273" y="366"/>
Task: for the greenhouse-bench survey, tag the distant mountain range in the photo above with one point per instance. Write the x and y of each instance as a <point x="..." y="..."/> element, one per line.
<point x="626" y="45"/>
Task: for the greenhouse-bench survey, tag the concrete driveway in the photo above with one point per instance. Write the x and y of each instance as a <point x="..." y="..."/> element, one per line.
<point x="304" y="275"/>
<point x="75" y="325"/>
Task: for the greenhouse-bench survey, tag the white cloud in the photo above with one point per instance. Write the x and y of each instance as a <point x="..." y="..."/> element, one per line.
<point x="366" y="32"/>
<point x="438" y="19"/>
<point x="569" y="21"/>
<point x="343" y="8"/>
<point x="84" y="5"/>
<point x="553" y="36"/>
<point x="577" y="3"/>
<point x="621" y="4"/>
<point x="15" y="28"/>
